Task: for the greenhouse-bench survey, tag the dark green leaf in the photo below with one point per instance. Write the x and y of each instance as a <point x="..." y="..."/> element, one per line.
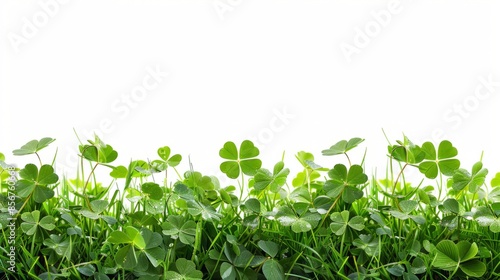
<point x="152" y="190"/>
<point x="269" y="247"/>
<point x="273" y="270"/>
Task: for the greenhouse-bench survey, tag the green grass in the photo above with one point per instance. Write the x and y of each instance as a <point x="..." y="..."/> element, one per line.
<point x="335" y="222"/>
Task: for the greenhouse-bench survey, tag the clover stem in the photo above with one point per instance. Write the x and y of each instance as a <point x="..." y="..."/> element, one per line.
<point x="39" y="159"/>
<point x="397" y="178"/>
<point x="342" y="244"/>
<point x="85" y="186"/>
<point x="348" y="159"/>
<point x="395" y="184"/>
<point x="24" y="204"/>
<point x="179" y="175"/>
<point x="454" y="271"/>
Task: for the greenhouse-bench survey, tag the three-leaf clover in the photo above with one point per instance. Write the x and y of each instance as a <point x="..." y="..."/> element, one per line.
<point x="462" y="178"/>
<point x="341" y="221"/>
<point x="450" y="256"/>
<point x="141" y="247"/>
<point x="440" y="162"/>
<point x="166" y="160"/>
<point x="33" y="146"/>
<point x="94" y="213"/>
<point x="405" y="208"/>
<point x="342" y="147"/>
<point x="32" y="221"/>
<point x="243" y="161"/>
<point x="486" y="218"/>
<point x="176" y="227"/>
<point x="303" y="223"/>
<point x="58" y="244"/>
<point x="367" y="243"/>
<point x="344" y="182"/>
<point x="185" y="270"/>
<point x="264" y="179"/>
<point x="35" y="182"/>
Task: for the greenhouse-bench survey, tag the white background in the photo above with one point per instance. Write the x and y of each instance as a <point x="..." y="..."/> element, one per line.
<point x="232" y="64"/>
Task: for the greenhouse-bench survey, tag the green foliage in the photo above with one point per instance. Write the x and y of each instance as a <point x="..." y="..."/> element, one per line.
<point x="463" y="179"/>
<point x="320" y="223"/>
<point x="98" y="151"/>
<point x="341" y="221"/>
<point x="243" y="161"/>
<point x="450" y="256"/>
<point x="440" y="162"/>
<point x="33" y="146"/>
<point x="345" y="182"/>
<point x="36" y="182"/>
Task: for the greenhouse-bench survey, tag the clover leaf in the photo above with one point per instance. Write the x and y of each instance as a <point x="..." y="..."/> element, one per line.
<point x="60" y="245"/>
<point x="368" y="243"/>
<point x="119" y="172"/>
<point x="344" y="182"/>
<point x="342" y="147"/>
<point x="403" y="213"/>
<point x="32" y="221"/>
<point x="35" y="182"/>
<point x="270" y="247"/>
<point x="243" y="161"/>
<point x="341" y="221"/>
<point x="310" y="172"/>
<point x="486" y="218"/>
<point x="152" y="190"/>
<point x="264" y="179"/>
<point x="495" y="182"/>
<point x="450" y="256"/>
<point x="164" y="154"/>
<point x="406" y="151"/>
<point x="140" y="246"/>
<point x="94" y="213"/>
<point x="463" y="179"/>
<point x="273" y="270"/>
<point x="98" y="151"/>
<point x="186" y="270"/>
<point x="176" y="227"/>
<point x="208" y="212"/>
<point x="440" y="162"/>
<point x="303" y="223"/>
<point x="33" y="146"/>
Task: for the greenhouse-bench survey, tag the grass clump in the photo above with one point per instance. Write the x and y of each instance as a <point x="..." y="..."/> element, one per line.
<point x="336" y="222"/>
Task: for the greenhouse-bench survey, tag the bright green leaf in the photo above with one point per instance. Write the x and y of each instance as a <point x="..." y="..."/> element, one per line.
<point x="442" y="162"/>
<point x="119" y="172"/>
<point x="33" y="146"/>
<point x="342" y="147"/>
